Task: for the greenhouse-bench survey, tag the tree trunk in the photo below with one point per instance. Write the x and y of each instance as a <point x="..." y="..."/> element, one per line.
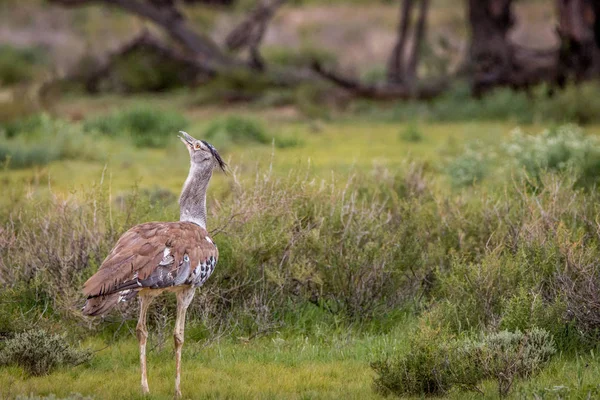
<point x="413" y="58"/>
<point x="395" y="73"/>
<point x="579" y="31"/>
<point x="491" y="55"/>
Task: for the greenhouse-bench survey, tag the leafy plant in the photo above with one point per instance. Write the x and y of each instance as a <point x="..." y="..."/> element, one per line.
<point x="39" y="352"/>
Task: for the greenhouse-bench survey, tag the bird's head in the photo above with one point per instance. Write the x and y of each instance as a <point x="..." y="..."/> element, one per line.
<point x="202" y="154"/>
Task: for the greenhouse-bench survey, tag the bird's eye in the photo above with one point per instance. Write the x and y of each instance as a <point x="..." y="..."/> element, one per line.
<point x="197" y="146"/>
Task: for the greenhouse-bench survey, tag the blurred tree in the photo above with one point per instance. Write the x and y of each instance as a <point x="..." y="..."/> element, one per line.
<point x="402" y="80"/>
<point x="494" y="59"/>
<point x="198" y="50"/>
<point x="579" y="33"/>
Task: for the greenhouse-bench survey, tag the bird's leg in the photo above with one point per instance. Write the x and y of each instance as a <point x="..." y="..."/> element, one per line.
<point x="142" y="335"/>
<point x="184" y="298"/>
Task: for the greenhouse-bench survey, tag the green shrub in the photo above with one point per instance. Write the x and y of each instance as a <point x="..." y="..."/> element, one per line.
<point x="238" y="130"/>
<point x="39" y="352"/>
<point x="576" y="103"/>
<point x="468" y="168"/>
<point x="434" y="363"/>
<point x="41" y="139"/>
<point x="423" y="371"/>
<point x="565" y="148"/>
<point x="147" y="127"/>
<point x="243" y="131"/>
<point x="505" y="356"/>
<point x="411" y="134"/>
<point x="19" y="65"/>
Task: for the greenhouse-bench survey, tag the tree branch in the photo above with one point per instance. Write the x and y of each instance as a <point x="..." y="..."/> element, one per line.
<point x="380" y="92"/>
<point x="170" y="19"/>
<point x="250" y="32"/>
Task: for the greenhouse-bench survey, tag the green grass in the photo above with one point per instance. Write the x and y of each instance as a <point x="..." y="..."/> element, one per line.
<point x="273" y="367"/>
<point x="270" y="368"/>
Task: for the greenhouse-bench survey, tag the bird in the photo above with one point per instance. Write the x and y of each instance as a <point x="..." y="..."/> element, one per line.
<point x="156" y="257"/>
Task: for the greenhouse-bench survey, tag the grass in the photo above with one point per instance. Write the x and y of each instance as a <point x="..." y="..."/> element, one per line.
<point x="268" y="368"/>
<point x="272" y="367"/>
<point x="325" y="358"/>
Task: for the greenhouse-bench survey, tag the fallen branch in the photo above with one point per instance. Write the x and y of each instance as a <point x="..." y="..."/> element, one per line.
<point x="382" y="91"/>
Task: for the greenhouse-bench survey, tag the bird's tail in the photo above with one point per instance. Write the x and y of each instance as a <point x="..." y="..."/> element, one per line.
<point x="100" y="305"/>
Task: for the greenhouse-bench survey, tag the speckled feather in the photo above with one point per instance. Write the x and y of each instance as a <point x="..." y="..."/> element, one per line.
<point x="151" y="255"/>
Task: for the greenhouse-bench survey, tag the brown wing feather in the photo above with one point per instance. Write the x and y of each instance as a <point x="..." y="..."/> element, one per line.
<point x="140" y="250"/>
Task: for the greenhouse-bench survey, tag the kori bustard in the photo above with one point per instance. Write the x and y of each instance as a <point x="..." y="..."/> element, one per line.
<point x="158" y="257"/>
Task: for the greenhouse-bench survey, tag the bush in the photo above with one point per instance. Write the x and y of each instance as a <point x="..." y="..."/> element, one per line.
<point x="468" y="168"/>
<point x="434" y="364"/>
<point x="562" y="149"/>
<point x="237" y="130"/>
<point x="505" y="355"/>
<point x="41" y="139"/>
<point x="243" y="131"/>
<point x="411" y="134"/>
<point x="39" y="352"/>
<point x="18" y="65"/>
<point x="423" y="371"/>
<point x="147" y="127"/>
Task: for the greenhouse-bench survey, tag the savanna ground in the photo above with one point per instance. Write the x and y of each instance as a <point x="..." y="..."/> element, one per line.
<point x="365" y="248"/>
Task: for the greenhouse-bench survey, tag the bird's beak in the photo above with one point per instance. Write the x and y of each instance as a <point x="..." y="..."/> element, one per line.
<point x="186" y="139"/>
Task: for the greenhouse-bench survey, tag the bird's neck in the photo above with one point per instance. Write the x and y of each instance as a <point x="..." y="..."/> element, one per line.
<point x="192" y="202"/>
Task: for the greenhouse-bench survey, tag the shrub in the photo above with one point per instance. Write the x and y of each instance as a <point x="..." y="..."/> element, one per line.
<point x="39" y="352"/>
<point x="41" y="139"/>
<point x="434" y="364"/>
<point x="505" y="355"/>
<point x="243" y="131"/>
<point x="237" y="130"/>
<point x="412" y="134"/>
<point x="422" y="371"/>
<point x="468" y="168"/>
<point x="147" y="127"/>
<point x="19" y="65"/>
<point x="562" y="149"/>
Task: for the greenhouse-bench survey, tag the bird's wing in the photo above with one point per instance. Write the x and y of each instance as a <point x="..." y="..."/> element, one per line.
<point x="153" y="255"/>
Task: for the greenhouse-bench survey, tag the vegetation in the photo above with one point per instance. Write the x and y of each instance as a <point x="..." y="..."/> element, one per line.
<point x="40" y="139"/>
<point x="433" y="367"/>
<point x="147" y="127"/>
<point x="296" y="258"/>
<point x="416" y="234"/>
<point x="39" y="353"/>
<point x="20" y="65"/>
